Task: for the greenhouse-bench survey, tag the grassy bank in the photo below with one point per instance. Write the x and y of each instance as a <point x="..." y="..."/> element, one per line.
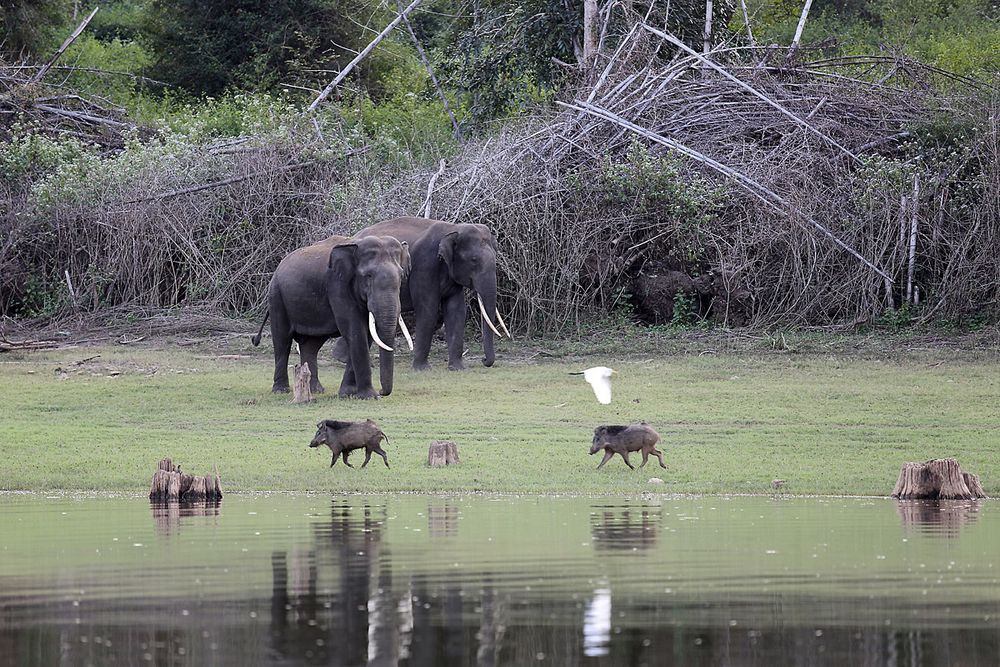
<point x="827" y="422"/>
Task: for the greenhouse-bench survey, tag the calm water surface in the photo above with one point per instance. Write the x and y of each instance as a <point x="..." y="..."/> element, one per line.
<point x="417" y="580"/>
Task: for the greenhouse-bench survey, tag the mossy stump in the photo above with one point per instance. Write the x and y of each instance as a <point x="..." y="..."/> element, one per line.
<point x="170" y="484"/>
<point x="442" y="453"/>
<point x="937" y="479"/>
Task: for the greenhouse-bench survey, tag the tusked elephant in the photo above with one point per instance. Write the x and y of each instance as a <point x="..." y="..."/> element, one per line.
<point x="446" y="258"/>
<point x="338" y="287"/>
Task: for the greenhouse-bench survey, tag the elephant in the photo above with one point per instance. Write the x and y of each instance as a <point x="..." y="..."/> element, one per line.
<point x="326" y="290"/>
<point x="446" y="258"/>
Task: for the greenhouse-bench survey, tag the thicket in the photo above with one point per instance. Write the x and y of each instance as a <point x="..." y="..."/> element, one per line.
<point x="870" y="195"/>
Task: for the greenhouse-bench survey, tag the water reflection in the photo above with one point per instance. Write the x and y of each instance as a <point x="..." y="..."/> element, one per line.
<point x="937" y="518"/>
<point x="615" y="528"/>
<point x="167" y="515"/>
<point x="352" y="581"/>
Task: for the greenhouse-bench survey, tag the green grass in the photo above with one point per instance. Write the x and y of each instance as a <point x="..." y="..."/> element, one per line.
<point x="828" y="423"/>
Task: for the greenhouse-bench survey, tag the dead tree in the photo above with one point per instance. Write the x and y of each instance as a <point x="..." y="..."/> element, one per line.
<point x="300" y="390"/>
<point x="170" y="485"/>
<point x="937" y="479"/>
<point x="442" y="453"/>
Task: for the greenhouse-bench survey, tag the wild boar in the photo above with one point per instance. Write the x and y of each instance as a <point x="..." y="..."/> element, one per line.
<point x="619" y="439"/>
<point x="344" y="437"/>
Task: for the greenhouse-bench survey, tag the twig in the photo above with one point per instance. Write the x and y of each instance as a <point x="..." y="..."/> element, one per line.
<point x="65" y="45"/>
<point x="746" y="23"/>
<point x="364" y="52"/>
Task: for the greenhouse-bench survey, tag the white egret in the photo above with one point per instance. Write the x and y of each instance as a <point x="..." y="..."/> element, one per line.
<point x="599" y="378"/>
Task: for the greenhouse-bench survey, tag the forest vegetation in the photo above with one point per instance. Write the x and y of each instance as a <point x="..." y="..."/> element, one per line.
<point x="167" y="159"/>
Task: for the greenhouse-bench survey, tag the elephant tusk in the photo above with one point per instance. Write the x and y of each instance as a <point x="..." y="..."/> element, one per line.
<point x="371" y="330"/>
<point x="503" y="326"/>
<point x="406" y="334"/>
<point x="486" y="318"/>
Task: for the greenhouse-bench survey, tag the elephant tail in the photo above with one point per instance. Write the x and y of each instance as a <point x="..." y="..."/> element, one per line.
<point x="256" y="339"/>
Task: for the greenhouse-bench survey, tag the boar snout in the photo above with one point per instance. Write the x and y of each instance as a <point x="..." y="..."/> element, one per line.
<point x="320" y="437"/>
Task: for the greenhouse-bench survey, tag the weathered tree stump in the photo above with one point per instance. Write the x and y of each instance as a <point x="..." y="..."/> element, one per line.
<point x="937" y="479"/>
<point x="170" y="484"/>
<point x="442" y="453"/>
<point x="300" y="389"/>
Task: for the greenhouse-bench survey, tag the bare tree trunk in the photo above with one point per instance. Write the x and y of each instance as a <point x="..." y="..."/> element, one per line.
<point x="798" y="29"/>
<point x="590" y="33"/>
<point x="912" y="255"/>
<point x="707" y="36"/>
<point x="746" y="22"/>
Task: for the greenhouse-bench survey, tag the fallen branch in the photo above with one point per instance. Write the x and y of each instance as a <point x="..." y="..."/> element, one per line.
<point x="430" y="72"/>
<point x="361" y="56"/>
<point x="425" y="210"/>
<point x="65" y="45"/>
<point x="215" y="184"/>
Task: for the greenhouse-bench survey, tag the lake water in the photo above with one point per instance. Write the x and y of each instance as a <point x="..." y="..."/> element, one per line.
<point x="472" y="580"/>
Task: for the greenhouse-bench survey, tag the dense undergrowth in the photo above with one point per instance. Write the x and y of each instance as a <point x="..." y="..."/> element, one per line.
<point x="126" y="220"/>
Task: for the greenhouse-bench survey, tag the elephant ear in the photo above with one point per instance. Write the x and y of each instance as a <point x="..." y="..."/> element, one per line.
<point x="446" y="248"/>
<point x="343" y="261"/>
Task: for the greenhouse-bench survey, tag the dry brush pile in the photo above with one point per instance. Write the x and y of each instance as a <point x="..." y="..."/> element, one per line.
<point x="759" y="190"/>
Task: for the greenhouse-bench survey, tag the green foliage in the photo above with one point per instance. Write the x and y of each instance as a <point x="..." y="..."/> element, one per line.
<point x="896" y="319"/>
<point x="962" y="36"/>
<point x="42" y="297"/>
<point x="208" y="46"/>
<point x="30" y="155"/>
<point x="685" y="309"/>
<point x="30" y="27"/>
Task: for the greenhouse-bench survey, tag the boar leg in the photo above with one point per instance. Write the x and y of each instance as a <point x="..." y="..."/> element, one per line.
<point x="334" y="459"/>
<point x="658" y="454"/>
<point x="607" y="457"/>
<point x="368" y="456"/>
<point x="645" y="458"/>
<point x="346" y="462"/>
<point x="625" y="456"/>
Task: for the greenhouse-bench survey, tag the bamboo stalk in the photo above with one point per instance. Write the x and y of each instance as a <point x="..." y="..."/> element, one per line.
<point x="800" y="27"/>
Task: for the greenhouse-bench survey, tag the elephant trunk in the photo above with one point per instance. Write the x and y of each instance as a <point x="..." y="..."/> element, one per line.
<point x="486" y="295"/>
<point x="385" y="325"/>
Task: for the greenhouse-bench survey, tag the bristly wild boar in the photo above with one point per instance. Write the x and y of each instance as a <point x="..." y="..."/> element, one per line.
<point x="624" y="439"/>
<point x="344" y="437"/>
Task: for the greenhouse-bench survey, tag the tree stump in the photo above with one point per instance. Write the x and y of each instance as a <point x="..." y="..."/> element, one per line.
<point x="300" y="389"/>
<point x="442" y="453"/>
<point x="937" y="479"/>
<point x="170" y="484"/>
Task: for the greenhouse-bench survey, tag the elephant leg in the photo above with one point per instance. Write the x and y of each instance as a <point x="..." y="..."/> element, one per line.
<point x="348" y="385"/>
<point x="281" y="338"/>
<point x="368" y="457"/>
<point x="625" y="456"/>
<point x="607" y="457"/>
<point x="341" y="352"/>
<point x="422" y="336"/>
<point x="455" y="310"/>
<point x="358" y="374"/>
<point x="308" y="352"/>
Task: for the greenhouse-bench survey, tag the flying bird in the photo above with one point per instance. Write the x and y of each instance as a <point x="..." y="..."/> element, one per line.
<point x="599" y="378"/>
